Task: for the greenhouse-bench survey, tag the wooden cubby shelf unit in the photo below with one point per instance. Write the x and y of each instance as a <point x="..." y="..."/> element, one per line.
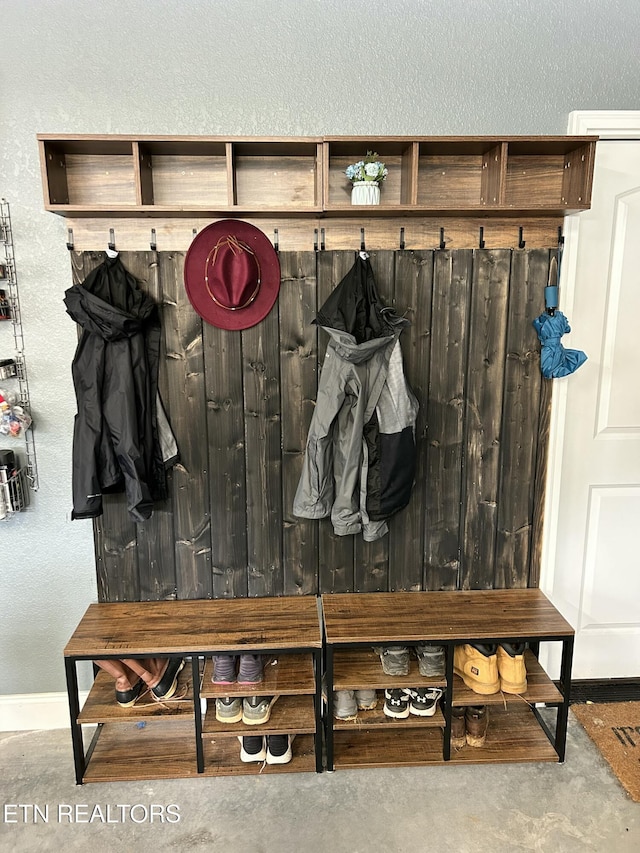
<point x="172" y="739"/>
<point x="88" y="176"/>
<point x="355" y="623"/>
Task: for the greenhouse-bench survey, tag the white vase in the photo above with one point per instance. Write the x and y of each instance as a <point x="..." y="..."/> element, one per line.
<point x="365" y="192"/>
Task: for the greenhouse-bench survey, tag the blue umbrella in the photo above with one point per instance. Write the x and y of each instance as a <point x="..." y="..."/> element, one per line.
<point x="555" y="360"/>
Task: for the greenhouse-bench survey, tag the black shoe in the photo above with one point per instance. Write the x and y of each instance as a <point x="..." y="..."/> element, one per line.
<point x="279" y="749"/>
<point x="252" y="748"/>
<point x="396" y="704"/>
<point x="127" y="698"/>
<point x="166" y="687"/>
<point x="424" y="700"/>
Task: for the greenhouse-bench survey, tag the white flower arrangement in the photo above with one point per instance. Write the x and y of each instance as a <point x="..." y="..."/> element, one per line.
<point x="369" y="169"/>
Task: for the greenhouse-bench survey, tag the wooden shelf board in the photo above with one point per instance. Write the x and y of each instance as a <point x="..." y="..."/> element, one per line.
<point x="513" y="735"/>
<point x="407" y="748"/>
<point x="222" y="758"/>
<point x="283" y="674"/>
<point x="360" y="669"/>
<point x="152" y="628"/>
<point x="176" y="210"/>
<point x="377" y="719"/>
<point x="398" y="617"/>
<point x="101" y="706"/>
<point x="540" y="688"/>
<point x="289" y="715"/>
<point x="128" y="752"/>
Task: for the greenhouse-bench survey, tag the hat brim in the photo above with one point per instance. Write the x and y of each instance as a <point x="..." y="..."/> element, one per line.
<point x="194" y="271"/>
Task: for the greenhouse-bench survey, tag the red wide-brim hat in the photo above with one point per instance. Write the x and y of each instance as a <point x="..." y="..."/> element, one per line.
<point x="232" y="274"/>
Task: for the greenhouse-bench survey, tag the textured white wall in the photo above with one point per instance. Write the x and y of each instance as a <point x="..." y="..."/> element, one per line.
<point x="250" y="67"/>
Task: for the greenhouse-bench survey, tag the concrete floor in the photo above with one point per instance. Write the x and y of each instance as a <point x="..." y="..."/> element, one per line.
<point x="577" y="806"/>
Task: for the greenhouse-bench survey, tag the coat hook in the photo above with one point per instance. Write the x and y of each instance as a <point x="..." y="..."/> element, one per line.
<point x="521" y="242"/>
<point x="481" y="242"/>
<point x="443" y="245"/>
<point x="402" y="238"/>
<point x="194" y="231"/>
<point x="153" y="243"/>
<point x="112" y="240"/>
<point x="322" y="243"/>
<point x="276" y="244"/>
<point x="315" y="239"/>
<point x="70" y="239"/>
<point x="363" y="248"/>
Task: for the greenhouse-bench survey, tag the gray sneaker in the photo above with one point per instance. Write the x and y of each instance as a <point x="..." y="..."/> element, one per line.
<point x="250" y="669"/>
<point x="366" y="700"/>
<point x="224" y="669"/>
<point x="430" y="660"/>
<point x="395" y="660"/>
<point x="229" y="709"/>
<point x="344" y="705"/>
<point x="257" y="709"/>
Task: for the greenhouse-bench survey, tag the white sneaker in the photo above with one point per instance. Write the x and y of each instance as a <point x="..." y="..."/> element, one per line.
<point x="252" y="748"/>
<point x="279" y="749"/>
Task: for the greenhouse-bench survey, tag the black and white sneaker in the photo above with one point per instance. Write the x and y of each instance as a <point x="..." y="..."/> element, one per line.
<point x="423" y="701"/>
<point x="396" y="704"/>
<point x="279" y="749"/>
<point x="252" y="748"/>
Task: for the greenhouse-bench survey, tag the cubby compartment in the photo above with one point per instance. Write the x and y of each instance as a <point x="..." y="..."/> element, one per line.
<point x="397" y="154"/>
<point x="460" y="175"/>
<point x="89" y="173"/>
<point x="285" y="176"/>
<point x="547" y="174"/>
<point x="186" y="174"/>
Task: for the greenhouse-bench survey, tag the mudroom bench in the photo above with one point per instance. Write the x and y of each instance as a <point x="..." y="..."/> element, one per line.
<point x="517" y="732"/>
<point x="181" y="737"/>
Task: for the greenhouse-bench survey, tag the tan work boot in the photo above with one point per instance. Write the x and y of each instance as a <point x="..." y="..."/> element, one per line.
<point x="511" y="667"/>
<point x="478" y="667"/>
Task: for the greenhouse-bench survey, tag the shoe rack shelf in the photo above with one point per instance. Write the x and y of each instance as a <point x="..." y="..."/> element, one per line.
<point x="517" y="730"/>
<point x="175" y="739"/>
<point x="359" y="669"/>
<point x="289" y="676"/>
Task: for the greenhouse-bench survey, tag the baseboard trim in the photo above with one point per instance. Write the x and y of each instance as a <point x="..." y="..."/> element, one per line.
<point x="605" y="690"/>
<point x="27" y="711"/>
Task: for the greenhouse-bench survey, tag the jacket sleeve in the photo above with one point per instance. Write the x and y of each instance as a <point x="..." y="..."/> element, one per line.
<point x="315" y="493"/>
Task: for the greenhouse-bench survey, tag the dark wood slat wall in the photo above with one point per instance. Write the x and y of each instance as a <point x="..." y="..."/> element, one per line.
<point x="240" y="405"/>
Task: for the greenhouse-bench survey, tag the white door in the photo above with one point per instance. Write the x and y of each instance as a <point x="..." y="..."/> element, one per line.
<point x="591" y="551"/>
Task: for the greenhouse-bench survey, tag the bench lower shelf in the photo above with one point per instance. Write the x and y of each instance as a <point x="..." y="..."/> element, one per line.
<point x="166" y="750"/>
<point x="222" y="758"/>
<point x="513" y="735"/>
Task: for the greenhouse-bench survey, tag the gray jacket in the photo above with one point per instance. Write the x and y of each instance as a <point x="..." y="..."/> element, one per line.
<point x="359" y="462"/>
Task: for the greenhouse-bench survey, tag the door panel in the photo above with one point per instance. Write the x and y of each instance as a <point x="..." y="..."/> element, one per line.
<point x="591" y="569"/>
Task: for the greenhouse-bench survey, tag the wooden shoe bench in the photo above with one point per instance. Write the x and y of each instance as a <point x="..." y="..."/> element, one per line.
<point x="517" y="732"/>
<point x="177" y="739"/>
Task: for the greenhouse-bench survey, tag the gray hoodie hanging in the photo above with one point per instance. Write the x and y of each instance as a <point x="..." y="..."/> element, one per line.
<point x="360" y="457"/>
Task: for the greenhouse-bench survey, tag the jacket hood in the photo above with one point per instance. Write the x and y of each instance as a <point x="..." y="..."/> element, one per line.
<point x="109" y="303"/>
<point x="355" y="318"/>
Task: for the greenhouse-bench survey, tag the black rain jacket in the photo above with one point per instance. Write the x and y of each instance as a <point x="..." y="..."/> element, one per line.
<point x="122" y="439"/>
